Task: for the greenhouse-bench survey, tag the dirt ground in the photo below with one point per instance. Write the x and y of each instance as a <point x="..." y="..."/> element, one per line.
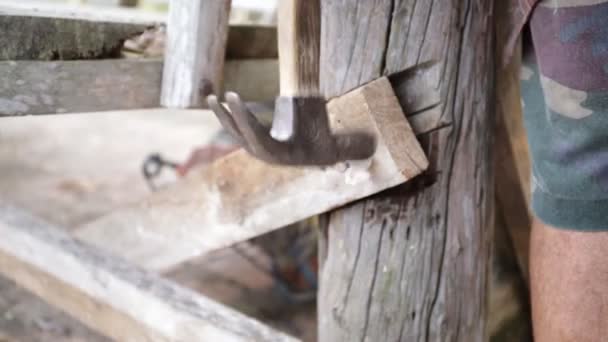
<point x="69" y="169"/>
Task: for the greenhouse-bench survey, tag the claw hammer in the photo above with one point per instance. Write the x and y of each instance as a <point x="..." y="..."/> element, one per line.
<point x="300" y="133"/>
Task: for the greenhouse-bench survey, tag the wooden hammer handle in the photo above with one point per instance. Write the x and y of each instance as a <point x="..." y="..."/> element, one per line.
<point x="299" y="31"/>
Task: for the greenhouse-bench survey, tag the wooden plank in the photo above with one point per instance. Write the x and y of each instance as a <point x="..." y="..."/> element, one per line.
<point x="512" y="157"/>
<point x="110" y="295"/>
<point x="49" y="38"/>
<point x="71" y="169"/>
<point x="239" y="197"/>
<point x="33" y="87"/>
<point x="78" y="86"/>
<point x="412" y="264"/>
<point x="197" y="31"/>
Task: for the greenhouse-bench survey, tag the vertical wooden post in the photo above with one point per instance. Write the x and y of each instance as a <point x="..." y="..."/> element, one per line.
<point x="197" y="31"/>
<point x="413" y="265"/>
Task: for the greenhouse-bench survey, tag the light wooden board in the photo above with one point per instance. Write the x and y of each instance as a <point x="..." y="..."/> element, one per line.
<point x="70" y="169"/>
<point x="239" y="197"/>
<point x="38" y="87"/>
<point x="96" y="168"/>
<point x="197" y="31"/>
<point x="110" y="295"/>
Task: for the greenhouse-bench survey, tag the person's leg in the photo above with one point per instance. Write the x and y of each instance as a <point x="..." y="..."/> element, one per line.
<point x="569" y="285"/>
<point x="565" y="97"/>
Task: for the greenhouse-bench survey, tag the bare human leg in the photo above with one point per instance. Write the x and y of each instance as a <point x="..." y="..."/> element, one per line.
<point x="569" y="284"/>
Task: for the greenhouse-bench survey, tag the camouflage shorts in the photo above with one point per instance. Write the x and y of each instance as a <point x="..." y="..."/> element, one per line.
<point x="565" y="99"/>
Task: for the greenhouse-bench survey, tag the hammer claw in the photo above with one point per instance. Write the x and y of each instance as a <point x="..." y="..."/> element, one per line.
<point x="312" y="144"/>
<point x="257" y="137"/>
<point x="225" y="119"/>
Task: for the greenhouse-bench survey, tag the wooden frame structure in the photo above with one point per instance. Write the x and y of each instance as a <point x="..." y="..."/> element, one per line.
<point x="425" y="228"/>
<point x="114" y="297"/>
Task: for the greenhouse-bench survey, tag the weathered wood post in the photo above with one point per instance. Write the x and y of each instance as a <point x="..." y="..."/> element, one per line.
<point x="413" y="264"/>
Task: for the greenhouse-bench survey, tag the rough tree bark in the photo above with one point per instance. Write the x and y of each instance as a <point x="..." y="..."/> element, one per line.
<point x="413" y="264"/>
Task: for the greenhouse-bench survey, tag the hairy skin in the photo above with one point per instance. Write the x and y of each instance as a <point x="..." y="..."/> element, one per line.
<point x="569" y="285"/>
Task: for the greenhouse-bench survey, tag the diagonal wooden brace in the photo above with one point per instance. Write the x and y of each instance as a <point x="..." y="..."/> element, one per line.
<point x="111" y="296"/>
<point x="239" y="197"/>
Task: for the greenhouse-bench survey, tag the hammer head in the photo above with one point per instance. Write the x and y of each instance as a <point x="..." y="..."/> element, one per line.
<point x="300" y="133"/>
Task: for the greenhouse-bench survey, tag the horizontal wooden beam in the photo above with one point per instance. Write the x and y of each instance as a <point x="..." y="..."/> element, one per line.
<point x="32" y="87"/>
<point x="108" y="294"/>
<point x="239" y="197"/>
<point x="41" y="38"/>
<point x="38" y="87"/>
<point x="43" y="31"/>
